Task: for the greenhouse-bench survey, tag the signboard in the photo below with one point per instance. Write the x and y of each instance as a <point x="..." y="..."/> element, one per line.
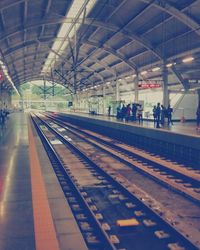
<point x="195" y="81"/>
<point x="149" y="85"/>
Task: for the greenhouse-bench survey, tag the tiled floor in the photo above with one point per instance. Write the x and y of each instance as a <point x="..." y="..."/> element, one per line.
<point x="16" y="214"/>
<point x="25" y="175"/>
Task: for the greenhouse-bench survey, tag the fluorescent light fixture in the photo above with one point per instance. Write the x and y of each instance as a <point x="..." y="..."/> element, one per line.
<point x="144" y="72"/>
<point x="188" y="59"/>
<point x="155" y="69"/>
<point x="169" y="65"/>
<point x="67" y="30"/>
<point x="5" y="71"/>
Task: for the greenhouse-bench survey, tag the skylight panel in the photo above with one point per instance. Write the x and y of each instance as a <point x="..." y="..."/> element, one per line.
<point x="67" y="30"/>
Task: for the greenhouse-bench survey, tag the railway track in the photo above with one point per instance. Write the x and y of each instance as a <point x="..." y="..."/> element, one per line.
<point x="177" y="177"/>
<point x="98" y="199"/>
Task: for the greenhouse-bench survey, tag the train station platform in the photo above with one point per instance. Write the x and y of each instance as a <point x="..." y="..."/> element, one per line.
<point x="34" y="213"/>
<point x="184" y="128"/>
<point x="179" y="141"/>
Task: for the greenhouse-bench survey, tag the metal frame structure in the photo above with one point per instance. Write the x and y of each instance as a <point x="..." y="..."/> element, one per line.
<point x="114" y="39"/>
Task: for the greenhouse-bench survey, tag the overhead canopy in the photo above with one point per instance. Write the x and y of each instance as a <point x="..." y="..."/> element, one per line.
<point x="82" y="43"/>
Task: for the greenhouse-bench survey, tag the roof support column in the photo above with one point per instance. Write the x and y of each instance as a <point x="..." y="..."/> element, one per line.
<point x="165" y="86"/>
<point x="44" y="94"/>
<point x="104" y="100"/>
<point x="9" y="100"/>
<point x="198" y="92"/>
<point x="117" y="91"/>
<point x="136" y="88"/>
<point x="44" y="89"/>
<point x="21" y="103"/>
<point x="75" y="101"/>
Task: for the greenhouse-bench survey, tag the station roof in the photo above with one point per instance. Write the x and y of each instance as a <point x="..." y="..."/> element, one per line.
<point x="89" y="42"/>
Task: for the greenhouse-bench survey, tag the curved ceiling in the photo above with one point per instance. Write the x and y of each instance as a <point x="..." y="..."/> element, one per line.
<point x="115" y="38"/>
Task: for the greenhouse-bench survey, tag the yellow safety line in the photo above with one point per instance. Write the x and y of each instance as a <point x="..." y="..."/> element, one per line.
<point x="45" y="234"/>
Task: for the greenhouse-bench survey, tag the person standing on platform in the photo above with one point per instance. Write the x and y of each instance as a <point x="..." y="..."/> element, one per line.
<point x="109" y="110"/>
<point x="169" y="115"/>
<point x="118" y="113"/>
<point x="158" y="111"/>
<point x="123" y="112"/>
<point x="128" y="112"/>
<point x="198" y="117"/>
<point x="163" y="112"/>
<point x="2" y="117"/>
<point x="134" y="111"/>
<point x="154" y="115"/>
<point x="139" y="113"/>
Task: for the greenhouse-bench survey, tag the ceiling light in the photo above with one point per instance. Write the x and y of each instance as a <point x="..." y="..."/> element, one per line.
<point x="155" y="69"/>
<point x="108" y="83"/>
<point x="169" y="65"/>
<point x="144" y="72"/>
<point x="188" y="59"/>
<point x="5" y="72"/>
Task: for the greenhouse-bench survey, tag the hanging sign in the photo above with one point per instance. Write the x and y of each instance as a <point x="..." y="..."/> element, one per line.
<point x="148" y="85"/>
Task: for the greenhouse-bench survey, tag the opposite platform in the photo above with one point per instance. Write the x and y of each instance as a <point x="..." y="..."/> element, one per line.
<point x="185" y="128"/>
<point x="169" y="143"/>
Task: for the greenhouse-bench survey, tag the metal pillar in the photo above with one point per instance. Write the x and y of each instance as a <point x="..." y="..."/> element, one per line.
<point x="104" y="101"/>
<point x="136" y="81"/>
<point x="165" y="87"/>
<point x="22" y="103"/>
<point x="53" y="89"/>
<point x="117" y="90"/>
<point x="9" y="100"/>
<point x="44" y="90"/>
<point x="198" y="92"/>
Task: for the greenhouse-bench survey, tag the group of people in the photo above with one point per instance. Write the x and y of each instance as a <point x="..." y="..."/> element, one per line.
<point x="128" y="113"/>
<point x="135" y="113"/>
<point x="160" y="113"/>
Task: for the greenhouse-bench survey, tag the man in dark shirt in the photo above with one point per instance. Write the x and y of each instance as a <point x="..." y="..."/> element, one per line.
<point x="158" y="110"/>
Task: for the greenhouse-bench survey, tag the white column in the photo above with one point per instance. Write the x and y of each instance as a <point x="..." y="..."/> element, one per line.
<point x="104" y="96"/>
<point x="136" y="81"/>
<point x="117" y="83"/>
<point x="198" y="92"/>
<point x="165" y="87"/>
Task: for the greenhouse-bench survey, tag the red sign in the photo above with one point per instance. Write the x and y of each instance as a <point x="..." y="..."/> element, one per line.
<point x="1" y="75"/>
<point x="149" y="85"/>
